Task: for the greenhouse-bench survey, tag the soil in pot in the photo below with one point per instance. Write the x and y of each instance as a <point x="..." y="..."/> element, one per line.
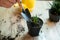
<point x="53" y="16"/>
<point x="34" y="29"/>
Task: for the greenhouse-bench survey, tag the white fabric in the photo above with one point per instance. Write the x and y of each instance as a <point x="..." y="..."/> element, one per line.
<point x="7" y="16"/>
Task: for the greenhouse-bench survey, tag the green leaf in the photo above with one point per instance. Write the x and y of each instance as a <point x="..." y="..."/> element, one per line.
<point x="35" y="19"/>
<point x="56" y="6"/>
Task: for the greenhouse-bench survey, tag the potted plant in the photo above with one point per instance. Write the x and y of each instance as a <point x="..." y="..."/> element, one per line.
<point x="34" y="26"/>
<point x="54" y="12"/>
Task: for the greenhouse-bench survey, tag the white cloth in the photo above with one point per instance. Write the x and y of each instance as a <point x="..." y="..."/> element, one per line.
<point x="10" y="22"/>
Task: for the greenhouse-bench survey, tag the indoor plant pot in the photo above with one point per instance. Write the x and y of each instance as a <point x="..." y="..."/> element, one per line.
<point x="34" y="25"/>
<point x="54" y="12"/>
<point x="34" y="28"/>
<point x="53" y="17"/>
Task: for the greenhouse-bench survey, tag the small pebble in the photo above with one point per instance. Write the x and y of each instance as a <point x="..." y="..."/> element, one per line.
<point x="0" y="31"/>
<point x="47" y="28"/>
<point x="41" y="31"/>
<point x="4" y="21"/>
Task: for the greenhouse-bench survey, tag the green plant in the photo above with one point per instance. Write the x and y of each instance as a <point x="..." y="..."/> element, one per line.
<point x="56" y="6"/>
<point x="35" y="19"/>
<point x="56" y="0"/>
